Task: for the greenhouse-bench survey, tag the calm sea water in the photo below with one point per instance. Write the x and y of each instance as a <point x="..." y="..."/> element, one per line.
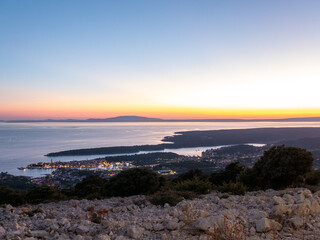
<point x="25" y="143"/>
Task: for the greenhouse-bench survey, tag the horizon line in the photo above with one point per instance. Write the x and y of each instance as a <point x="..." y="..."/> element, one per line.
<point x="126" y="118"/>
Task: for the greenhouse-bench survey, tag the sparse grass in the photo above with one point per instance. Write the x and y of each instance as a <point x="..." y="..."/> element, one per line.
<point x="33" y="212"/>
<point x="228" y="231"/>
<point x="195" y="185"/>
<point x="96" y="216"/>
<point x="189" y="217"/>
<point x="171" y="197"/>
<point x="234" y="188"/>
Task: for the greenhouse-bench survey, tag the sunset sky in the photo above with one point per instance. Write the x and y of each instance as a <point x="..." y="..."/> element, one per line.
<point x="169" y="59"/>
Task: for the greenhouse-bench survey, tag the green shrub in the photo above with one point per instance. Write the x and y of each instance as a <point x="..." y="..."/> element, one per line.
<point x="313" y="178"/>
<point x="90" y="187"/>
<point x="195" y="185"/>
<point x="16" y="182"/>
<point x="237" y="188"/>
<point x="170" y="196"/>
<point x="248" y="178"/>
<point x="163" y="197"/>
<point x="44" y="194"/>
<point x="230" y="173"/>
<point x="10" y="196"/>
<point x="133" y="182"/>
<point x="33" y="212"/>
<point x="95" y="218"/>
<point x="191" y="174"/>
<point x="281" y="166"/>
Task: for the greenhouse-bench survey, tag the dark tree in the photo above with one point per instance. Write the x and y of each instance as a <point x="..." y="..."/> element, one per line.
<point x="229" y="174"/>
<point x="90" y="187"/>
<point x="281" y="166"/>
<point x="44" y="194"/>
<point x="191" y="174"/>
<point x="133" y="182"/>
<point x="11" y="196"/>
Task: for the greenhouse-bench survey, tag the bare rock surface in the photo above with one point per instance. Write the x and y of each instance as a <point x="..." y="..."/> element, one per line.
<point x="289" y="214"/>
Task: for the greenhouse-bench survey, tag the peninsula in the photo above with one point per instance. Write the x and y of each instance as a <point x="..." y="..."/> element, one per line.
<point x="188" y="139"/>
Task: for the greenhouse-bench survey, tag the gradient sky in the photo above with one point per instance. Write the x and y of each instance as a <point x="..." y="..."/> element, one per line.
<point x="171" y="59"/>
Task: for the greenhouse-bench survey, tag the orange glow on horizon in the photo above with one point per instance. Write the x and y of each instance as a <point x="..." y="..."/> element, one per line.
<point x="154" y="112"/>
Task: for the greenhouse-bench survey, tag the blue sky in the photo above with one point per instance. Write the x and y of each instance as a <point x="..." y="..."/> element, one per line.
<point x="106" y="58"/>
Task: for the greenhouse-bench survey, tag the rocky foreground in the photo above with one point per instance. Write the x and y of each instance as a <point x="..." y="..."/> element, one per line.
<point x="289" y="214"/>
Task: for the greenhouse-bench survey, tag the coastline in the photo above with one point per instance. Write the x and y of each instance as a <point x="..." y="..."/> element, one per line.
<point x="32" y="141"/>
<point x="192" y="139"/>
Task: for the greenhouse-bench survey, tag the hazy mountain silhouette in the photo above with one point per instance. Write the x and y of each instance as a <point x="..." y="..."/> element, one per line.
<point x="146" y="119"/>
<point x="125" y="119"/>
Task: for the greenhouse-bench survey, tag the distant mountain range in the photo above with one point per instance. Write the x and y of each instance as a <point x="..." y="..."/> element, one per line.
<point x="146" y="119"/>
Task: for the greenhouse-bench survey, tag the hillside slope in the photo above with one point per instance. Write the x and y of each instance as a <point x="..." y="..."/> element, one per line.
<point x="288" y="214"/>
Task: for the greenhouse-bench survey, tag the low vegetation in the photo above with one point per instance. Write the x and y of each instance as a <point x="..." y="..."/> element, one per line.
<point x="278" y="168"/>
<point x="281" y="167"/>
<point x="195" y="185"/>
<point x="235" y="188"/>
<point x="134" y="181"/>
<point x="171" y="197"/>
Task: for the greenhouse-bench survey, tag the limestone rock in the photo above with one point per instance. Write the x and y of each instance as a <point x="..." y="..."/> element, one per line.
<point x="300" y="197"/>
<point x="164" y="236"/>
<point x="203" y="213"/>
<point x="78" y="237"/>
<point x="289" y="198"/>
<point x="171" y="224"/>
<point x="296" y="221"/>
<point x="275" y="226"/>
<point x="136" y="218"/>
<point x="3" y="232"/>
<point x="202" y="224"/>
<point x="175" y="212"/>
<point x="186" y="206"/>
<point x="259" y="214"/>
<point x="120" y="237"/>
<point x="252" y="231"/>
<point x="9" y="208"/>
<point x="135" y="232"/>
<point x="54" y="227"/>
<point x="254" y="238"/>
<point x="263" y="225"/>
<point x="317" y="194"/>
<point x="63" y="237"/>
<point x="314" y="207"/>
<point x="282" y="209"/>
<point x="307" y="193"/>
<point x="102" y="237"/>
<point x="63" y="221"/>
<point x="40" y="233"/>
<point x="82" y="229"/>
<point x="278" y="200"/>
<point x="302" y="209"/>
<point x="158" y="227"/>
<point x="266" y="225"/>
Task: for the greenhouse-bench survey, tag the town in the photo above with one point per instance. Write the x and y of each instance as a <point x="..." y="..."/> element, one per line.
<point x="68" y="174"/>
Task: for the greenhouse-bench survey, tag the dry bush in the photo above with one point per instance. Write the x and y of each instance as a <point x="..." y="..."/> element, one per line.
<point x="96" y="216"/>
<point x="228" y="231"/>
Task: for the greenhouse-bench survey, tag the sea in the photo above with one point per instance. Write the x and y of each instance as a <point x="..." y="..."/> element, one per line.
<point x="25" y="143"/>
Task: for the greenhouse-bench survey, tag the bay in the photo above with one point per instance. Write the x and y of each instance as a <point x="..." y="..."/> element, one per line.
<point x="25" y="143"/>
